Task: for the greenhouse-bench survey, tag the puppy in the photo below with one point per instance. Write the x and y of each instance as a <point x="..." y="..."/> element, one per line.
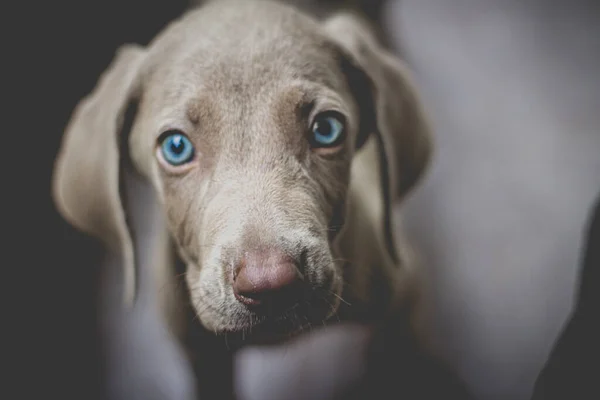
<point x="276" y="142"/>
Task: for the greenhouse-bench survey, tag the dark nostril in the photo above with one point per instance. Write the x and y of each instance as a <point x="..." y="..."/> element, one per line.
<point x="266" y="277"/>
<point x="280" y="298"/>
<point x="248" y="300"/>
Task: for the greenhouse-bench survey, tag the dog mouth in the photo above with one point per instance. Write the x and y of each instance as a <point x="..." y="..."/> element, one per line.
<point x="272" y="324"/>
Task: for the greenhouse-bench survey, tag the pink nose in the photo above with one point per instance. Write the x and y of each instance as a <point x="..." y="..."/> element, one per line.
<point x="266" y="277"/>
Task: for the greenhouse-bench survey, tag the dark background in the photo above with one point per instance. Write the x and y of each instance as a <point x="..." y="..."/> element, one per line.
<point x="61" y="48"/>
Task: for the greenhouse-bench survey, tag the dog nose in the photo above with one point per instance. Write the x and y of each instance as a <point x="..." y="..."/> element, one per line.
<point x="266" y="277"/>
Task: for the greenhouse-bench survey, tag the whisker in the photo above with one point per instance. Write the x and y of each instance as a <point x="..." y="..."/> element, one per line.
<point x="333" y="309"/>
<point x="339" y="297"/>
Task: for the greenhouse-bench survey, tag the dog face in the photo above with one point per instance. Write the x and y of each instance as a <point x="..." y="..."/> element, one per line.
<point x="248" y="117"/>
<point x="270" y="138"/>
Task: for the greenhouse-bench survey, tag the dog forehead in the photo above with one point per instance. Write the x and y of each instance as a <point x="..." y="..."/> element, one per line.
<point x="233" y="45"/>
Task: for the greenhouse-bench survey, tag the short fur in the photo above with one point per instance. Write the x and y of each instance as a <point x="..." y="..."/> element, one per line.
<point x="243" y="79"/>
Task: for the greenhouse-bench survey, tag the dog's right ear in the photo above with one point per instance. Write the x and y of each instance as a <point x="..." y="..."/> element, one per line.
<point x="87" y="176"/>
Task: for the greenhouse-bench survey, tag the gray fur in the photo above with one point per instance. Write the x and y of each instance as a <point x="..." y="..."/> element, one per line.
<point x="235" y="76"/>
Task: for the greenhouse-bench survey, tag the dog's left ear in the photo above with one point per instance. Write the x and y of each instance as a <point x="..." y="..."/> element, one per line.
<point x="389" y="106"/>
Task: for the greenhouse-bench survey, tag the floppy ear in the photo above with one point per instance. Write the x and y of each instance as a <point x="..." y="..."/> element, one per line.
<point x="390" y="109"/>
<point x="87" y="174"/>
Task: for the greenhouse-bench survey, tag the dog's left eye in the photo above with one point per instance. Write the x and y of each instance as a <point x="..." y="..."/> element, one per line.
<point x="176" y="148"/>
<point x="327" y="130"/>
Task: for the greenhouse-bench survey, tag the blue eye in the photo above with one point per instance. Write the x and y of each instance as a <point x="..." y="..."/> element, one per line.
<point x="327" y="130"/>
<point x="176" y="148"/>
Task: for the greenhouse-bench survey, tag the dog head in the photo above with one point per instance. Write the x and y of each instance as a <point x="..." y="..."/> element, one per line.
<point x="246" y="120"/>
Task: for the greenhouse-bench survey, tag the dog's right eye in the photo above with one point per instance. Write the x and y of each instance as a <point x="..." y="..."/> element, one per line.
<point x="176" y="148"/>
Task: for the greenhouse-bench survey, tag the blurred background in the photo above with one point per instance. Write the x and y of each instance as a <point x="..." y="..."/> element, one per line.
<point x="513" y="93"/>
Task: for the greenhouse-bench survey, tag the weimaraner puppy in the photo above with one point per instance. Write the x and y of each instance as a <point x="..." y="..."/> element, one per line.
<point x="277" y="142"/>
